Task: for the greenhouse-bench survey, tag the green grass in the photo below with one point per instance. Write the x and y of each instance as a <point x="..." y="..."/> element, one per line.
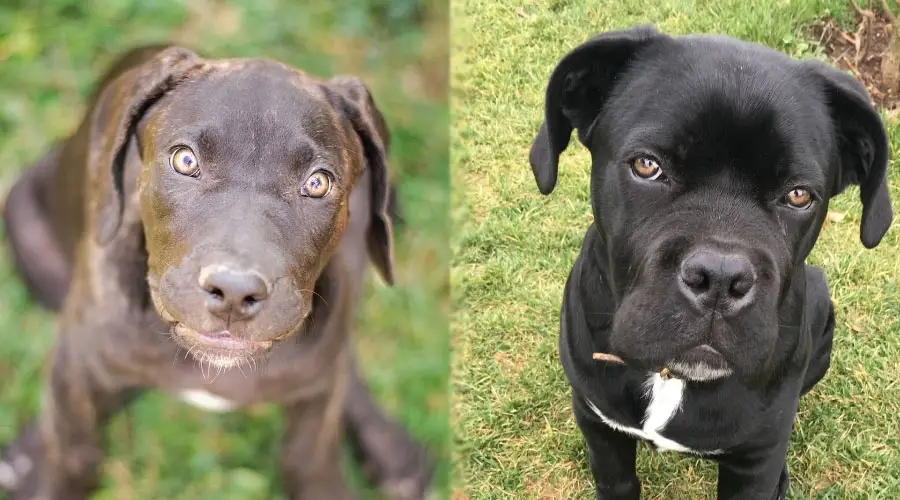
<point x="513" y="248"/>
<point x="49" y="59"/>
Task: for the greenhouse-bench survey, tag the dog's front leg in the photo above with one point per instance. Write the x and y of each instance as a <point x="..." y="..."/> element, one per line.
<point x="757" y="478"/>
<point x="310" y="455"/>
<point x="611" y="454"/>
<point x="391" y="459"/>
<point x="58" y="456"/>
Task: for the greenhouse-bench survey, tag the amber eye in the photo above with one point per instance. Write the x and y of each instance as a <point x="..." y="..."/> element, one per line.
<point x="184" y="161"/>
<point x="646" y="168"/>
<point x="799" y="198"/>
<point x="318" y="185"/>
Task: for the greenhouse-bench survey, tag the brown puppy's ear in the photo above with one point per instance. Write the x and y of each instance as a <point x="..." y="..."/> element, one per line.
<point x="577" y="92"/>
<point x="863" y="148"/>
<point x="359" y="107"/>
<point x="114" y="117"/>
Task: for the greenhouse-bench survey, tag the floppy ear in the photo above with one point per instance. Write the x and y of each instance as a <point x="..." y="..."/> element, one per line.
<point x="359" y="107"/>
<point x="114" y="117"/>
<point x="576" y="94"/>
<point x="863" y="148"/>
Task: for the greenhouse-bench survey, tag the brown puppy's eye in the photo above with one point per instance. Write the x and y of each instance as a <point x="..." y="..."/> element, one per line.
<point x="646" y="168"/>
<point x="318" y="185"/>
<point x="184" y="161"/>
<point x="799" y="198"/>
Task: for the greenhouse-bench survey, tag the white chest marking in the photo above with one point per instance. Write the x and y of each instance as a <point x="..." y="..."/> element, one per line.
<point x="666" y="396"/>
<point x="206" y="400"/>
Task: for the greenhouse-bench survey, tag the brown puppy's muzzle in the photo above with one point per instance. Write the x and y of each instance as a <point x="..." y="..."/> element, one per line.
<point x="226" y="309"/>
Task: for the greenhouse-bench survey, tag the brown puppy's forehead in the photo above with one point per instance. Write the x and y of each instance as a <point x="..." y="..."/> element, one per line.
<point x="250" y="106"/>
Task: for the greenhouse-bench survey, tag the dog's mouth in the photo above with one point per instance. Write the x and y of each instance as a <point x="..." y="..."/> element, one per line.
<point x="700" y="364"/>
<point x="222" y="340"/>
<point x="221" y="349"/>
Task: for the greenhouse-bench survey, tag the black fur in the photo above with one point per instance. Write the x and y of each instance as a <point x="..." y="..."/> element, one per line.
<point x="734" y="127"/>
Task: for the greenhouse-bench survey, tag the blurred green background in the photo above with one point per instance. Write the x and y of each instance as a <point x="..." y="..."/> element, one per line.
<point x="52" y="51"/>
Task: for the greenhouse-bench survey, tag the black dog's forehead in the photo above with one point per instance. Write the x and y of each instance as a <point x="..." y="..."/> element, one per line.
<point x="709" y="103"/>
<point x="253" y="105"/>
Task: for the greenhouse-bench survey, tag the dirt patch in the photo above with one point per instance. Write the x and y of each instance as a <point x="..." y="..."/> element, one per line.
<point x="508" y="365"/>
<point x="865" y="52"/>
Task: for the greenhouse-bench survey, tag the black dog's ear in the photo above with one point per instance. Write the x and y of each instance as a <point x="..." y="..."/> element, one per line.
<point x="359" y="107"/>
<point x="118" y="108"/>
<point x="577" y="92"/>
<point x="863" y="148"/>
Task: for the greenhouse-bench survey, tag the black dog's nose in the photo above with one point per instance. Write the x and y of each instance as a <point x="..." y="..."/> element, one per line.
<point x="233" y="294"/>
<point x="716" y="280"/>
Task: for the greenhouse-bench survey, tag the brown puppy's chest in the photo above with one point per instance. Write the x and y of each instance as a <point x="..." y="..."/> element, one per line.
<point x="299" y="368"/>
<point x="288" y="376"/>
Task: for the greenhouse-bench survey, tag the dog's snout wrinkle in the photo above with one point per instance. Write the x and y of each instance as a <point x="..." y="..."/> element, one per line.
<point x="233" y="294"/>
<point x="716" y="280"/>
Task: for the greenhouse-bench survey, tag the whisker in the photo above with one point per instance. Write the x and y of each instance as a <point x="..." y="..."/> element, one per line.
<point x="208" y="371"/>
<point x="316" y="294"/>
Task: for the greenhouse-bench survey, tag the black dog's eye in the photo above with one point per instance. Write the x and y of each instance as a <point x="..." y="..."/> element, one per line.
<point x="799" y="198"/>
<point x="647" y="168"/>
<point x="184" y="161"/>
<point x="318" y="185"/>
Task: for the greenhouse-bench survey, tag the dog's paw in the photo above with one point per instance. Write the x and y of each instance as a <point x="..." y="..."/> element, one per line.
<point x="18" y="464"/>
<point x="627" y="489"/>
<point x="395" y="463"/>
<point x="13" y="470"/>
<point x="17" y="478"/>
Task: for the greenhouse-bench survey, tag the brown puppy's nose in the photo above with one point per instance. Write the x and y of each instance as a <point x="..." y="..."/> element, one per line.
<point x="233" y="294"/>
<point x="714" y="280"/>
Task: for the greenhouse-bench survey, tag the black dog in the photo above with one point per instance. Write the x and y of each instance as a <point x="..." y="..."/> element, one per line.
<point x="713" y="161"/>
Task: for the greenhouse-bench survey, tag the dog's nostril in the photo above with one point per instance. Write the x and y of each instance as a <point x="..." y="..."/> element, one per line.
<point x="216" y="293"/>
<point x="740" y="287"/>
<point x="697" y="281"/>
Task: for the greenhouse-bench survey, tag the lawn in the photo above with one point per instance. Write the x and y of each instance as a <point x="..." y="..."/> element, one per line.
<point x="49" y="59"/>
<point x="513" y="248"/>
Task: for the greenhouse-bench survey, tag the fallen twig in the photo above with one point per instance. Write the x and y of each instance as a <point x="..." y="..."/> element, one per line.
<point x="609" y="358"/>
<point x="612" y="358"/>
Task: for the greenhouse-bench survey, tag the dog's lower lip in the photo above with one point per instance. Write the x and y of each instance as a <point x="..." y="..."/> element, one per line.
<point x="703" y="354"/>
<point x="223" y="340"/>
<point x="708" y="348"/>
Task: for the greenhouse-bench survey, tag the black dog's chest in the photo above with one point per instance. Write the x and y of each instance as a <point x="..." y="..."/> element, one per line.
<point x="671" y="415"/>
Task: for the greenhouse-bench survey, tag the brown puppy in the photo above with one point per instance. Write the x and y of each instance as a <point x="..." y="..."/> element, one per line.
<point x="229" y="205"/>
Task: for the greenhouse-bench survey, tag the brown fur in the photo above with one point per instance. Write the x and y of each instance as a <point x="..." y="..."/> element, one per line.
<point x="96" y="227"/>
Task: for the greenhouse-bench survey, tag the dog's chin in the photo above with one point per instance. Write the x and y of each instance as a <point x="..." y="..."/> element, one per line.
<point x="221" y="350"/>
<point x="699" y="372"/>
<point x="700" y="364"/>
